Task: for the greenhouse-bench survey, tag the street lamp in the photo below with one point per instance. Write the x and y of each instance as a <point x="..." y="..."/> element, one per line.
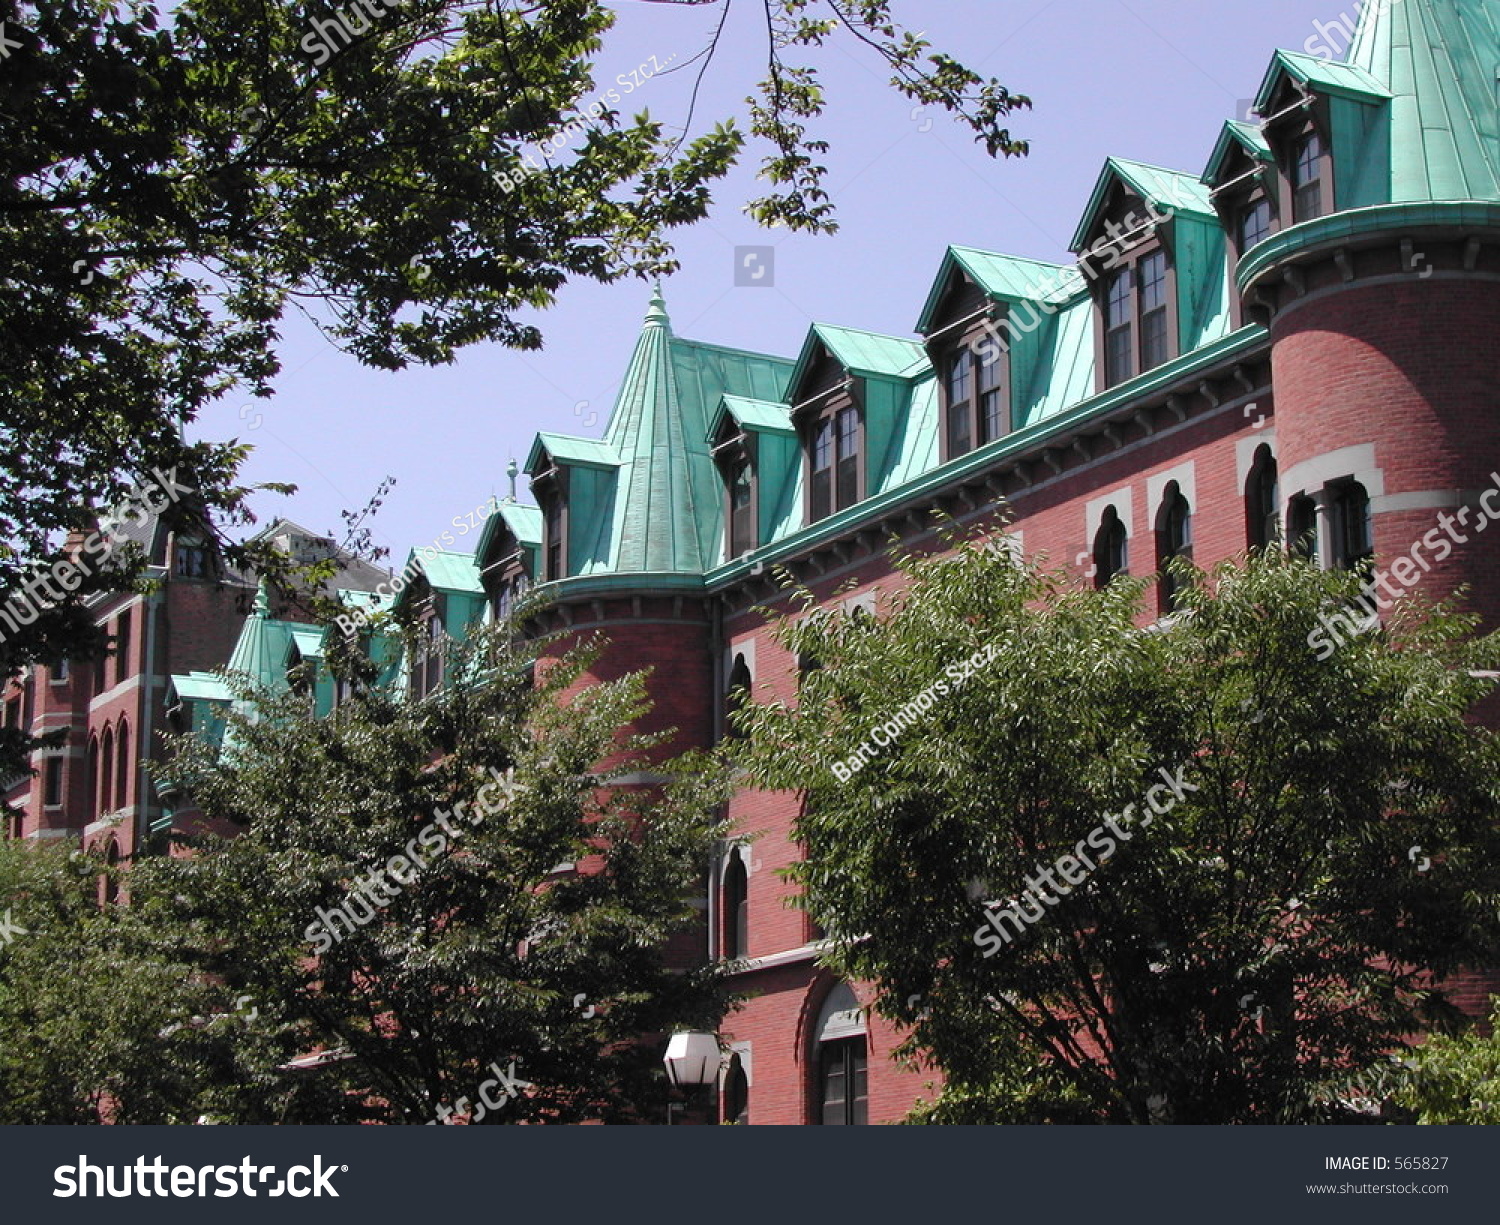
<point x="692" y="1061"/>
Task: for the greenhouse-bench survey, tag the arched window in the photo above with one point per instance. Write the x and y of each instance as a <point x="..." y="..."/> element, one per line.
<point x="1302" y="527"/>
<point x="1255" y="225"/>
<point x="1111" y="548"/>
<point x="106" y="772"/>
<point x="736" y="1092"/>
<point x="93" y="783"/>
<point x="736" y="694"/>
<point x="1262" y="501"/>
<point x="111" y="891"/>
<point x="843" y="1096"/>
<point x="1353" y="542"/>
<point x="736" y="897"/>
<point x="1174" y="538"/>
<point x="122" y="770"/>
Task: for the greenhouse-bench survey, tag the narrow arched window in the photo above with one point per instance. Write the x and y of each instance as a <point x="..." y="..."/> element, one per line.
<point x="736" y="694"/>
<point x="1353" y="540"/>
<point x="736" y="1092"/>
<point x="1302" y="527"/>
<point x="122" y="771"/>
<point x="842" y="1056"/>
<point x="1111" y="548"/>
<point x="736" y="897"/>
<point x="1262" y="501"/>
<point x="1174" y="539"/>
<point x="106" y="772"/>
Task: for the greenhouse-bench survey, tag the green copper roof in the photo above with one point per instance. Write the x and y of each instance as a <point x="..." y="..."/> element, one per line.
<point x="1438" y="59"/>
<point x="1166" y="190"/>
<point x="653" y="501"/>
<point x="753" y="415"/>
<point x="565" y="449"/>
<point x="263" y="645"/>
<point x="525" y="522"/>
<point x="1002" y="278"/>
<point x="309" y="642"/>
<point x="861" y="352"/>
<point x="1321" y="75"/>
<point x="201" y="687"/>
<point x="1235" y="133"/>
<point x="450" y="571"/>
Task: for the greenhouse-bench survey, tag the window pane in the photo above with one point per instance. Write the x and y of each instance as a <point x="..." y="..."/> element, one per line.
<point x="1154" y="347"/>
<point x="1307" y="201"/>
<point x="1255" y="225"/>
<point x="1117" y="312"/>
<point x="822" y="455"/>
<point x="992" y="414"/>
<point x="848" y="453"/>
<point x="1117" y="358"/>
<point x="1154" y="281"/>
<point x="958" y="429"/>
<point x="958" y="378"/>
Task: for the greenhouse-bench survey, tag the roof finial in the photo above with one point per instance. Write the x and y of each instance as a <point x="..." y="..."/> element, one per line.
<point x="658" y="310"/>
<point x="511" y="472"/>
<point x="263" y="600"/>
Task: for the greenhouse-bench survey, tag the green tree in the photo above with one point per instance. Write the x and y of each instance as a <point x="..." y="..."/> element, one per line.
<point x="1455" y="1078"/>
<point x="173" y="183"/>
<point x="81" y="1012"/>
<point x="1319" y="854"/>
<point x="483" y="947"/>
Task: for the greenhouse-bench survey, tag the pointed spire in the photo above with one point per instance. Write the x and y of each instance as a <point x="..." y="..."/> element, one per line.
<point x="262" y="600"/>
<point x="657" y="312"/>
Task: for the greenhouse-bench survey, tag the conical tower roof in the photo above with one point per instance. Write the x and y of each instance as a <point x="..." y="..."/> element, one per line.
<point x="1440" y="60"/>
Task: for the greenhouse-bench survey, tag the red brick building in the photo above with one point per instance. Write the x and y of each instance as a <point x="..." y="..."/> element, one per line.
<point x="1296" y="341"/>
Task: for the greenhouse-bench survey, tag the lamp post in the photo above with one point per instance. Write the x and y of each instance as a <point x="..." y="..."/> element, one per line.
<point x="692" y="1061"/>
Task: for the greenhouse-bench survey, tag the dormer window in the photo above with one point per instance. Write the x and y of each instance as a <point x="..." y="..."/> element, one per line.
<point x="960" y="407"/>
<point x="834" y="462"/>
<point x="1255" y="224"/>
<point x="192" y="559"/>
<point x="1155" y="346"/>
<point x="1119" y="350"/>
<point x="551" y="494"/>
<point x="741" y="510"/>
<point x="1307" y="179"/>
<point x="427" y="656"/>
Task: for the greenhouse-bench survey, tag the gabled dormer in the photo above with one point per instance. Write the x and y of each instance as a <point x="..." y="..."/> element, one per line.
<point x="988" y="324"/>
<point x="757" y="456"/>
<point x="1327" y="129"/>
<point x="1152" y="251"/>
<point x="443" y="598"/>
<point x="574" y="481"/>
<point x="509" y="555"/>
<point x="850" y="396"/>
<point x="1244" y="186"/>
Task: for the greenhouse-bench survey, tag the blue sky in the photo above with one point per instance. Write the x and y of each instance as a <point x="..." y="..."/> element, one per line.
<point x="1145" y="79"/>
